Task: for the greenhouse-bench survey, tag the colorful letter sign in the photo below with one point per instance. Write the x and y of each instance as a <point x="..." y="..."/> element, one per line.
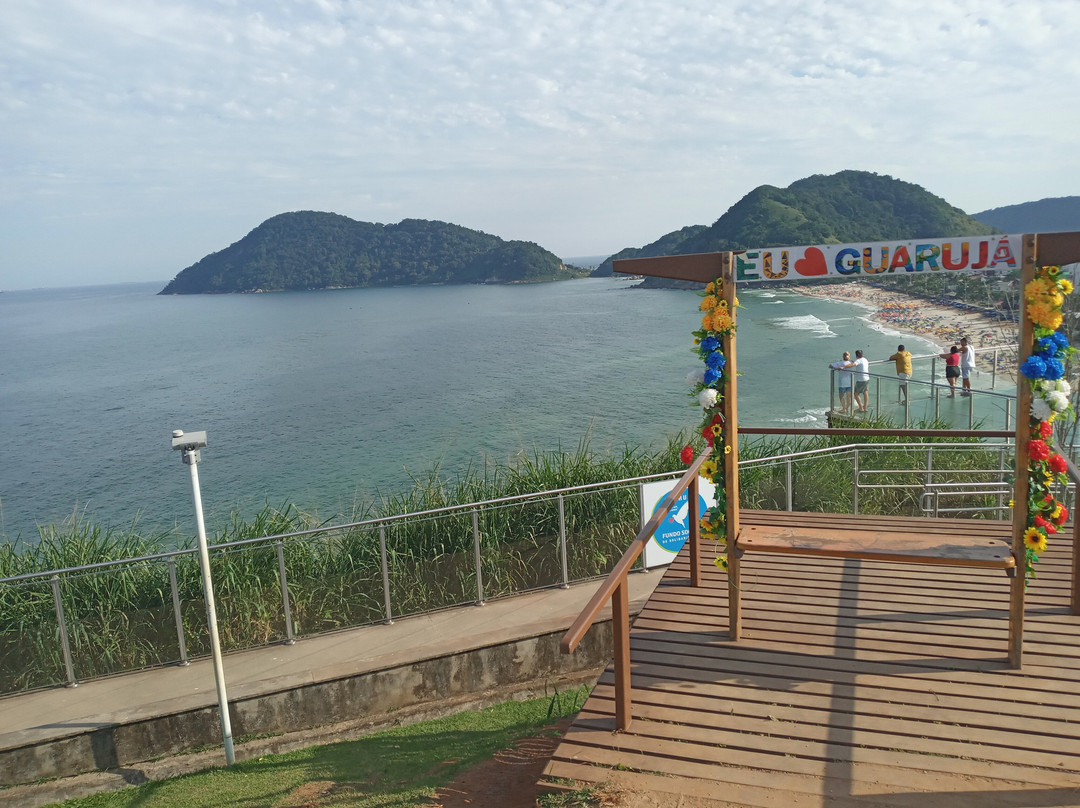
<point x="961" y="254"/>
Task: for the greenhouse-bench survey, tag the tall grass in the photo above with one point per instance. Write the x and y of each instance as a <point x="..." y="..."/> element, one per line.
<point x="121" y="617"/>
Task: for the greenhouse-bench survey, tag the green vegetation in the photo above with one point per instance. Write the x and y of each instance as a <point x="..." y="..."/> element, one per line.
<point x="121" y="618"/>
<point x="310" y="250"/>
<point x="841" y="208"/>
<point x="398" y="768"/>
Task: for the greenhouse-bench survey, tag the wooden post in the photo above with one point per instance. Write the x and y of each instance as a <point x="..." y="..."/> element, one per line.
<point x="694" y="523"/>
<point x="620" y="629"/>
<point x="1075" y="584"/>
<point x="1018" y="583"/>
<point x="730" y="456"/>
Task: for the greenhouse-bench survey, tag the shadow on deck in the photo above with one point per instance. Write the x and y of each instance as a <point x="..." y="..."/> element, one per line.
<point x="856" y="683"/>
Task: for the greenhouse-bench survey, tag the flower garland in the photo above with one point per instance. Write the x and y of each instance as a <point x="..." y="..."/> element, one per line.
<point x="1045" y="369"/>
<point x="708" y="386"/>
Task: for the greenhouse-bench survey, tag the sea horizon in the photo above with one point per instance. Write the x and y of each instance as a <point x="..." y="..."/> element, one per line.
<point x="321" y="399"/>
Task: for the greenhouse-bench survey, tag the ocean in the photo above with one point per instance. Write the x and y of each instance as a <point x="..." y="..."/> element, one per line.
<point x="323" y="398"/>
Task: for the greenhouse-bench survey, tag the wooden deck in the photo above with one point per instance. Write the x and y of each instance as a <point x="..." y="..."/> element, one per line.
<point x="856" y="683"/>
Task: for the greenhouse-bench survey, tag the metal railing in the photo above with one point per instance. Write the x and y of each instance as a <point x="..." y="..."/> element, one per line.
<point x="468" y="558"/>
<point x="998" y="407"/>
<point x="280" y="587"/>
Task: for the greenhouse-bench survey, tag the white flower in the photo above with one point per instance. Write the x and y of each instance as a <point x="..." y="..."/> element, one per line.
<point x="1040" y="409"/>
<point x="1059" y="402"/>
<point x="695" y="377"/>
<point x="1064" y="387"/>
<point x="707" y="398"/>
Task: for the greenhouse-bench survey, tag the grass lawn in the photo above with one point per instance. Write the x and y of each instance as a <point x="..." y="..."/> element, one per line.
<point x="397" y="768"/>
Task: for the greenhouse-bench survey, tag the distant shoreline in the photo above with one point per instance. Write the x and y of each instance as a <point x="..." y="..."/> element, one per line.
<point x="919" y="317"/>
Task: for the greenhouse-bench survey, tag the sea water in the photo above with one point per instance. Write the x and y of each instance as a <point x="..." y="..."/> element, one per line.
<point x="324" y="398"/>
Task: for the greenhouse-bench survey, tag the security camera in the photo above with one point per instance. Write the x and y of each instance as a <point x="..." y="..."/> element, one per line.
<point x="188" y="441"/>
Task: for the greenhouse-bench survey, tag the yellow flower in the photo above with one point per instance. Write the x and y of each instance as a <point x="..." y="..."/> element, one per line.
<point x="1034" y="540"/>
<point x="717" y="430"/>
<point x="1012" y="504"/>
<point x="722" y="304"/>
<point x="710" y="287"/>
<point x="727" y="449"/>
<point x="707" y="323"/>
<point x="721" y="320"/>
<point x="1065" y="286"/>
<point x="708" y="303"/>
<point x="708" y="468"/>
<point x="721" y="562"/>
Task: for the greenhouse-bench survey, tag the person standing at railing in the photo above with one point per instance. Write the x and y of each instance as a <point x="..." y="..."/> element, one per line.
<point x="903" y="372"/>
<point x="952" y="368"/>
<point x="862" y="380"/>
<point x="843" y="381"/>
<point x="967" y="364"/>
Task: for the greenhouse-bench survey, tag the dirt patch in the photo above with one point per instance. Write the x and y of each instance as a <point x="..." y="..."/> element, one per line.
<point x="508" y="780"/>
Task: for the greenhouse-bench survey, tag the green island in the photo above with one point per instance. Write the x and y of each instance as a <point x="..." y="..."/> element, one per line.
<point x="312" y="250"/>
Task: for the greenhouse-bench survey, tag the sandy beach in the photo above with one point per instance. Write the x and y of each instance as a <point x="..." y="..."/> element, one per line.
<point x="942" y="324"/>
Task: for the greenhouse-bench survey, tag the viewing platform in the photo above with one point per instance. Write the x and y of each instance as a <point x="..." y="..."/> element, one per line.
<point x="855" y="683"/>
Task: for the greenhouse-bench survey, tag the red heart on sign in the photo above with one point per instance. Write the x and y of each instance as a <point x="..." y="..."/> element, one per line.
<point x="812" y="263"/>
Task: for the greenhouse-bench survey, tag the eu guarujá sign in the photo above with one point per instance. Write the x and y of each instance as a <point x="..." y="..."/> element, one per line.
<point x="960" y="254"/>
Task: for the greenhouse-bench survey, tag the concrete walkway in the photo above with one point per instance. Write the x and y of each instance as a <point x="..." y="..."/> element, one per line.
<point x="36" y="719"/>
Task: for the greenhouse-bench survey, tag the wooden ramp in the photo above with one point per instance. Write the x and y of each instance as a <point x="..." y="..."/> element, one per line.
<point x="857" y="683"/>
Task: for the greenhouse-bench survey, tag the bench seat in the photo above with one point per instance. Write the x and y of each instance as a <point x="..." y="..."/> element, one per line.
<point x="922" y="540"/>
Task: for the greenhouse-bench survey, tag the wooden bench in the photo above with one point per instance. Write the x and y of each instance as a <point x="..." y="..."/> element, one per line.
<point x="980" y="543"/>
<point x="905" y="539"/>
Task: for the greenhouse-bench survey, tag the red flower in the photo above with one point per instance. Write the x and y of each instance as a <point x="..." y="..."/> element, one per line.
<point x="1050" y="530"/>
<point x="1045" y="429"/>
<point x="1038" y="450"/>
<point x="687" y="455"/>
<point x="1061" y="517"/>
<point x="1039" y="521"/>
<point x="706" y="433"/>
<point x="1057" y="463"/>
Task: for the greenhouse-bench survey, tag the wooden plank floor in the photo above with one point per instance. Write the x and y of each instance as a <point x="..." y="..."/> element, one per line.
<point x="857" y="683"/>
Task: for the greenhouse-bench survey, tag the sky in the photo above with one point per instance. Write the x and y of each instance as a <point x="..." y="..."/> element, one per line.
<point x="137" y="136"/>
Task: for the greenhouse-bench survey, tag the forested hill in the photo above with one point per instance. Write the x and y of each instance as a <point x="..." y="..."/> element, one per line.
<point x="309" y="250"/>
<point x="1043" y="216"/>
<point x="836" y="209"/>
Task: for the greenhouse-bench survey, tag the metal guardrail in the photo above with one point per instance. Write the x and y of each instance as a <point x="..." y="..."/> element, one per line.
<point x="55" y="579"/>
<point x="925" y="480"/>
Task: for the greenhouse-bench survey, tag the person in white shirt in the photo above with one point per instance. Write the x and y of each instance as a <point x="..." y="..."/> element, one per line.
<point x="843" y="381"/>
<point x="967" y="364"/>
<point x="862" y="381"/>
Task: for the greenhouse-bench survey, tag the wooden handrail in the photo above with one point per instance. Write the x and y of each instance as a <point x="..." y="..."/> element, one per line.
<point x="616" y="589"/>
<point x="577" y="629"/>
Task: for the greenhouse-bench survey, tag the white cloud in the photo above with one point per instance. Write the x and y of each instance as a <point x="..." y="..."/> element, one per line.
<point x="584" y="126"/>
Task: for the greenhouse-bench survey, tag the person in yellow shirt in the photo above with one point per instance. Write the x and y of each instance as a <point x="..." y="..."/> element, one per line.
<point x="903" y="372"/>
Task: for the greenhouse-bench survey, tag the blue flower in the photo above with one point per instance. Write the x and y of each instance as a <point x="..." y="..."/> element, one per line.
<point x="711" y="375"/>
<point x="708" y="345"/>
<point x="1046" y="345"/>
<point x="1034" y="367"/>
<point x="716" y="360"/>
<point x="1054" y="369"/>
<point x="1061" y="340"/>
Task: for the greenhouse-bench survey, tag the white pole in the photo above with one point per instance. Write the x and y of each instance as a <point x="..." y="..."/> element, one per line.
<point x="191" y="459"/>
